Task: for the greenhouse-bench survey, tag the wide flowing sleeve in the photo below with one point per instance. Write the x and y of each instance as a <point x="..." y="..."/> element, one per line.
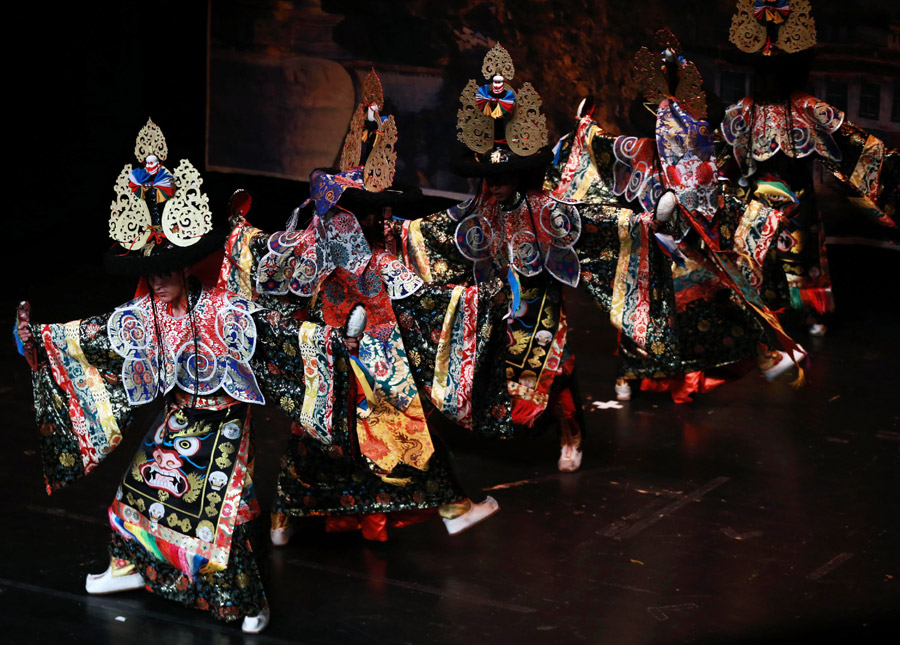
<point x="244" y="250"/>
<point x="623" y="268"/>
<point x="81" y="407"/>
<point x="428" y="246"/>
<point x="625" y="271"/>
<point x="870" y="169"/>
<point x="455" y="337"/>
<point x="304" y="368"/>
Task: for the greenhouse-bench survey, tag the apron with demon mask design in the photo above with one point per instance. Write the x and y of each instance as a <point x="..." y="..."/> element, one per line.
<point x="187" y="487"/>
<point x="189" y="483"/>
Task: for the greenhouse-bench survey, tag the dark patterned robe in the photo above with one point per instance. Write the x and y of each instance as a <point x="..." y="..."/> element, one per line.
<point x="772" y="144"/>
<point x="710" y="326"/>
<point x="336" y="477"/>
<point x="184" y="512"/>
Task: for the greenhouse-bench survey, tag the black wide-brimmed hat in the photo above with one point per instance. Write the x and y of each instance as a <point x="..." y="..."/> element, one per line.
<point x="163" y="257"/>
<point x="778" y="75"/>
<point x="399" y="194"/>
<point x="498" y="162"/>
<point x="329" y="187"/>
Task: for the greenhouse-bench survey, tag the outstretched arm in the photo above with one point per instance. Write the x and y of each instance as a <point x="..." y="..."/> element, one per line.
<point x="24" y="336"/>
<point x="23" y="315"/>
<point x="80" y="405"/>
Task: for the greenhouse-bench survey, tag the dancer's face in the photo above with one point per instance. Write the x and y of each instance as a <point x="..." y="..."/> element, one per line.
<point x="168" y="287"/>
<point x="502" y="187"/>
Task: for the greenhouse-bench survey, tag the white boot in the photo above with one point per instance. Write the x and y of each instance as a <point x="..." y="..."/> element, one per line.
<point x="106" y="582"/>
<point x="478" y="513"/>
<point x="569" y="458"/>
<point x="784" y="363"/>
<point x="255" y="624"/>
<point x="280" y="537"/>
<point x="817" y="329"/>
<point x="623" y="391"/>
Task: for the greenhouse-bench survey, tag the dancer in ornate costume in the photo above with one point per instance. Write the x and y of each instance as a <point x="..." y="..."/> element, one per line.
<point x="374" y="465"/>
<point x="511" y="228"/>
<point x="184" y="513"/>
<point x="776" y="133"/>
<point x="538" y="242"/>
<point x="670" y="177"/>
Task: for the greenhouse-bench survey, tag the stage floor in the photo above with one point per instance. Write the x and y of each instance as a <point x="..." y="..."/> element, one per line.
<point x="759" y="513"/>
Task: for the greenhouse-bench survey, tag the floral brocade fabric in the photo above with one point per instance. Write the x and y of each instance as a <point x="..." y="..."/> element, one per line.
<point x="230" y="594"/>
<point x="693" y="323"/>
<point x="511" y="393"/>
<point x="801" y="126"/>
<point x="318" y="480"/>
<point x="181" y="511"/>
<point x="332" y="477"/>
<point x="774" y="144"/>
<point x="421" y="318"/>
<point x="871" y="170"/>
<point x="602" y="274"/>
<point x="54" y="402"/>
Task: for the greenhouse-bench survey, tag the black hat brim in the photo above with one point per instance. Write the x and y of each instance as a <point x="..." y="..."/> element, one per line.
<point x="397" y="195"/>
<point x="117" y="261"/>
<point x="467" y="164"/>
<point x="798" y="61"/>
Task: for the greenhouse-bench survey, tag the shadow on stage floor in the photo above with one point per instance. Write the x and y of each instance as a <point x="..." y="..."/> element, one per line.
<point x="759" y="513"/>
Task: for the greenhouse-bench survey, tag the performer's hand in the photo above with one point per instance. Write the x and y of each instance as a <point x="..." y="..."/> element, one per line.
<point x="23" y="314"/>
<point x="666" y="206"/>
<point x="23" y="331"/>
<point x="240" y="206"/>
<point x="352" y="344"/>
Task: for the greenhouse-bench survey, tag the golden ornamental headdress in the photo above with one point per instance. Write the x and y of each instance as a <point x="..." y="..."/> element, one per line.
<point x="373" y="94"/>
<point x="649" y="74"/>
<point x="152" y="205"/>
<point x="380" y="163"/>
<point x="150" y="141"/>
<point x="767" y="25"/>
<point x="498" y="61"/>
<point x="495" y="113"/>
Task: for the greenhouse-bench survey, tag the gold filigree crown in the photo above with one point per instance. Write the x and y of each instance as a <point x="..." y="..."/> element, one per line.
<point x="525" y="126"/>
<point x="150" y="141"/>
<point x="793" y="32"/>
<point x="498" y="61"/>
<point x="185" y="217"/>
<point x="650" y="80"/>
<point x="381" y="162"/>
<point x="372" y="91"/>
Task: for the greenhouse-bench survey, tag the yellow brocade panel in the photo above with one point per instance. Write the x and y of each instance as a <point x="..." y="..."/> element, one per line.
<point x="245" y="279"/>
<point x="310" y="373"/>
<point x="865" y="174"/>
<point x="590" y="173"/>
<point x="617" y="306"/>
<point x="417" y="252"/>
<point x="442" y="357"/>
<point x="389" y="436"/>
<point x="95" y="385"/>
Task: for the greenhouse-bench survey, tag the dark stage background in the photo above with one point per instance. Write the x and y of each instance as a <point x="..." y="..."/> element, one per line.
<point x="84" y="79"/>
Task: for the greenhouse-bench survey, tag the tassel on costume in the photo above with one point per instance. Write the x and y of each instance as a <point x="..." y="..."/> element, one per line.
<point x="525" y="413"/>
<point x="800" y="381"/>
